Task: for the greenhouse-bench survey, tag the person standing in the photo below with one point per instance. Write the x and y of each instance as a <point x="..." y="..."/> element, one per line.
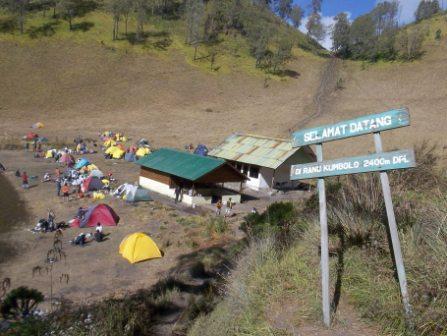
<point x="58" y="186"/>
<point x="177" y="193"/>
<point x="66" y="191"/>
<point x="218" y="207"/>
<point x="228" y="208"/>
<point x="25" y="183"/>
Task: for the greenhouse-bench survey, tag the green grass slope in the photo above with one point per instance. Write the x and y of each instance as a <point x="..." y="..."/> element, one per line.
<point x="82" y="81"/>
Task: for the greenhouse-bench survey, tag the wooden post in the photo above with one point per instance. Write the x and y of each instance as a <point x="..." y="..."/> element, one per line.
<point x="324" y="244"/>
<point x="393" y="232"/>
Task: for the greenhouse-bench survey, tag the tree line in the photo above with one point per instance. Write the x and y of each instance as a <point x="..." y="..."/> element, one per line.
<point x="377" y="35"/>
<point x="268" y="25"/>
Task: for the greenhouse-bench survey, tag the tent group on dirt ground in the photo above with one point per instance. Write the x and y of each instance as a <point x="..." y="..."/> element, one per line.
<point x="134" y="247"/>
<point x="114" y="146"/>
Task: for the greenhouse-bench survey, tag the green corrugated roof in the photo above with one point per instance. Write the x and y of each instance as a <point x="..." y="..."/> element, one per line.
<point x="255" y="150"/>
<point x="182" y="164"/>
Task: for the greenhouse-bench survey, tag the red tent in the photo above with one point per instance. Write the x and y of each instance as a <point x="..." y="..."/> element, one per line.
<point x="31" y="136"/>
<point x="100" y="213"/>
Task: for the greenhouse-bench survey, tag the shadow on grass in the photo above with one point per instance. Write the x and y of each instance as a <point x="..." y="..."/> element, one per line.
<point x="287" y="73"/>
<point x="162" y="44"/>
<point x="7" y="25"/>
<point x="47" y="29"/>
<point x="163" y="39"/>
<point x="82" y="26"/>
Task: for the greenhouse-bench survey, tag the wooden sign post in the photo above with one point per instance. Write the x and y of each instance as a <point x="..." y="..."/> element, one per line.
<point x="324" y="243"/>
<point x="393" y="231"/>
<point x="370" y="163"/>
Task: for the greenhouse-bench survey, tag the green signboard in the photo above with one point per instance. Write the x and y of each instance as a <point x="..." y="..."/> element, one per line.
<point x="354" y="165"/>
<point x="363" y="125"/>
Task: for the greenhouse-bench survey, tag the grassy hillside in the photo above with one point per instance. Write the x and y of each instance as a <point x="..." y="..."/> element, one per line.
<point x="69" y="77"/>
<point x="275" y="289"/>
<point x="163" y="38"/>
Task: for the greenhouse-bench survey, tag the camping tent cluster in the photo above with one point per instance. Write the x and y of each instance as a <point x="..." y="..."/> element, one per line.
<point x="114" y="147"/>
<point x="83" y="174"/>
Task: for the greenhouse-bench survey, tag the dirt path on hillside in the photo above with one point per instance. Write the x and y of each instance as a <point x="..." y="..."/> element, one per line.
<point x="321" y="99"/>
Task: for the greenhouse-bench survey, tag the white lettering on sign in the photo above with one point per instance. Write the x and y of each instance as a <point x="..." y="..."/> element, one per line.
<point x="375" y="162"/>
<point x="400" y="159"/>
<point x="353" y="128"/>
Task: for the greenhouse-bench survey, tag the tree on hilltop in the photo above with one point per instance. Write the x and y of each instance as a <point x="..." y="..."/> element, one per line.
<point x="426" y="9"/>
<point x="315" y="27"/>
<point x="296" y="16"/>
<point x="341" y="34"/>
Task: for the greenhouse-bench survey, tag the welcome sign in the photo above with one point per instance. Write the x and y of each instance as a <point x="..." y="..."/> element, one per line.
<point x="364" y="125"/>
<point x="379" y="161"/>
<point x="354" y="165"/>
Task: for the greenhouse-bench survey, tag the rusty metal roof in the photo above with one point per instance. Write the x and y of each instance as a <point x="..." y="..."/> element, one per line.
<point x="255" y="150"/>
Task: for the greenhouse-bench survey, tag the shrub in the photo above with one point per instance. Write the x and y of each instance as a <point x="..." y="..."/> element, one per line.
<point x="20" y="302"/>
<point x="356" y="207"/>
<point x="216" y="226"/>
<point x="280" y="220"/>
<point x="409" y="43"/>
<point x="29" y="327"/>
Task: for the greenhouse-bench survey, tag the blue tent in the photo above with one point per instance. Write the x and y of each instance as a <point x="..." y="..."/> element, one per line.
<point x="82" y="163"/>
<point x="130" y="157"/>
<point x="201" y="150"/>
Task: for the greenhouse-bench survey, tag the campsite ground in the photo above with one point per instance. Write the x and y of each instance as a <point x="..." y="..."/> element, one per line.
<point x="97" y="270"/>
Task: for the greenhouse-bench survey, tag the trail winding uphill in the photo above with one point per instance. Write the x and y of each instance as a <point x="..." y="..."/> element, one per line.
<point x="328" y="85"/>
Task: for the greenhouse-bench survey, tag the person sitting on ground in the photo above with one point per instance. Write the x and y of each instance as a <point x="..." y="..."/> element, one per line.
<point x="66" y="191"/>
<point x="2" y="167"/>
<point x="80" y="239"/>
<point x="98" y="236"/>
<point x="46" y="177"/>
<point x="25" y="183"/>
<point x="81" y="213"/>
<point x="17" y="173"/>
<point x="99" y="227"/>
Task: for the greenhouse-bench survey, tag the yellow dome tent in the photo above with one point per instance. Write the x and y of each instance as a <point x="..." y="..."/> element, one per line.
<point x="116" y="152"/>
<point x="138" y="247"/>
<point x="142" y="151"/>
